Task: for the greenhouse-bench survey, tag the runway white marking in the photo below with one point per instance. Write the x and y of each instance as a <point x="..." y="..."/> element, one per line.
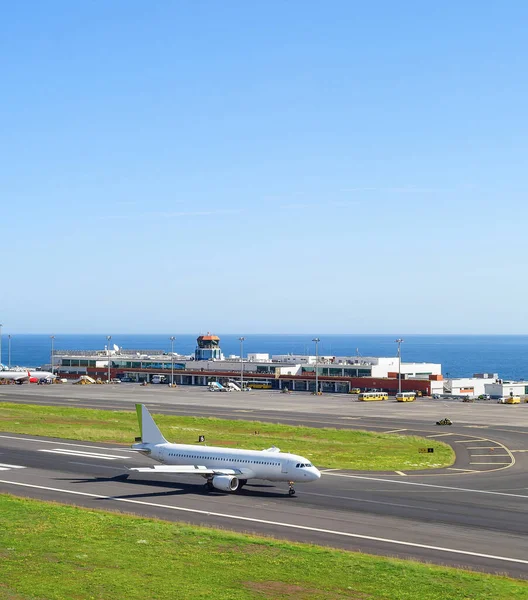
<point x="67" y="452"/>
<point x="23" y="439"/>
<point x="429" y="485"/>
<point x="395" y="430"/>
<point x="7" y="467"/>
<point x="472" y="440"/>
<point x="275" y="523"/>
<point x="489" y="455"/>
<point x="488" y="463"/>
<point x="368" y="501"/>
<point x="401" y="473"/>
<point x="439" y="435"/>
<point x="483" y="447"/>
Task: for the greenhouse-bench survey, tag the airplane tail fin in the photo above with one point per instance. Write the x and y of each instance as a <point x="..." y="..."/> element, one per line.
<point x="149" y="431"/>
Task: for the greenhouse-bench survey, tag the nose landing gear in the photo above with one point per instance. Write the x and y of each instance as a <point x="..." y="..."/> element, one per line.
<point x="291" y="491"/>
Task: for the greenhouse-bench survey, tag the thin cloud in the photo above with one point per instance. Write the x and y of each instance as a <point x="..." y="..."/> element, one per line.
<point x="316" y="205"/>
<point x="406" y="189"/>
<point x="172" y="215"/>
<point x="295" y="205"/>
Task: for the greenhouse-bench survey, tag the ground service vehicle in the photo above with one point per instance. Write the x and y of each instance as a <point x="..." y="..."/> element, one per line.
<point x="406" y="397"/>
<point x="370" y="396"/>
<point x="354" y="391"/>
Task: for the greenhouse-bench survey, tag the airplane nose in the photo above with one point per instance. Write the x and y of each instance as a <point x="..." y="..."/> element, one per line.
<point x="316" y="473"/>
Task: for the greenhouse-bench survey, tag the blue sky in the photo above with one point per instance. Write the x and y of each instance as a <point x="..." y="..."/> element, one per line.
<point x="263" y="167"/>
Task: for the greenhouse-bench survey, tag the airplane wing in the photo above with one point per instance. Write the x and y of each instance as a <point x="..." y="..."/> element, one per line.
<point x="186" y="469"/>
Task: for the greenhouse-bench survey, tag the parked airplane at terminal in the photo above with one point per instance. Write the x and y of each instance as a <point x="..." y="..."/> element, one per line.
<point x="21" y="375"/>
<point x="226" y="469"/>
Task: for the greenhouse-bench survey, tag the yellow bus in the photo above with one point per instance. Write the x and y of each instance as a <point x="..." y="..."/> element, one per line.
<point x="370" y="396"/>
<point x="406" y="397"/>
<point x="511" y="400"/>
<point x="258" y="385"/>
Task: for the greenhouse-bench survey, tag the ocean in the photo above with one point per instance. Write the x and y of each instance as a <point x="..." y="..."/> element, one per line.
<point x="460" y="355"/>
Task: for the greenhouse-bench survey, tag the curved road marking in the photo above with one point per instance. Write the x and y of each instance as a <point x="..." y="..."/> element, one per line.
<point x="275" y="523"/>
<point x="499" y="445"/>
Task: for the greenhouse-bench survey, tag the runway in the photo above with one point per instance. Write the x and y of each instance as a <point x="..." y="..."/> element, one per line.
<point x="472" y="515"/>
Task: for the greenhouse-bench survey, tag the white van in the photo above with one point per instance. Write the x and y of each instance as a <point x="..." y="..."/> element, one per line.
<point x="158" y="379"/>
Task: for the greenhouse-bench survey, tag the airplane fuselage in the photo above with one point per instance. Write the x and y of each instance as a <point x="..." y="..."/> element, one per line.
<point x="25" y="375"/>
<point x="249" y="464"/>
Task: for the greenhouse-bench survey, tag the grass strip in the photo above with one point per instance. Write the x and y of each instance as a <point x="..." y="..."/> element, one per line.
<point x="326" y="447"/>
<point x="54" y="552"/>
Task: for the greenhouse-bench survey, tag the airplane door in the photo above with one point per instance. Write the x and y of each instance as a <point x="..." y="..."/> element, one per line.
<point x="287" y="466"/>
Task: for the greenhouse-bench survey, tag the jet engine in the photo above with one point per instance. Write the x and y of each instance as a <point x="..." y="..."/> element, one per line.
<point x="225" y="483"/>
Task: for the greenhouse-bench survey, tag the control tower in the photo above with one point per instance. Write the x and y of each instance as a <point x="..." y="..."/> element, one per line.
<point x="208" y="348"/>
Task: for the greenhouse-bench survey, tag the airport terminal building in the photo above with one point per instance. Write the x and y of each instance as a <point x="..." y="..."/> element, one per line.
<point x="297" y="372"/>
<point x="258" y="370"/>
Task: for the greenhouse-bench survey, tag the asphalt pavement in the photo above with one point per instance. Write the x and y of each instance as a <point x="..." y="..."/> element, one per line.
<point x="472" y="514"/>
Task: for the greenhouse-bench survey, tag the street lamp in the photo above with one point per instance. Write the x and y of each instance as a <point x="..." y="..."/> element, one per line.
<point x="9" y="351"/>
<point x="241" y="340"/>
<point x="52" y="338"/>
<point x="0" y="343"/>
<point x="316" y="340"/>
<point x="399" y="342"/>
<point x="108" y="337"/>
<point x="172" y="338"/>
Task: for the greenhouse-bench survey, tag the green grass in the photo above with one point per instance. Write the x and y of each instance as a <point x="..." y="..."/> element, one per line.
<point x="331" y="448"/>
<point x="52" y="552"/>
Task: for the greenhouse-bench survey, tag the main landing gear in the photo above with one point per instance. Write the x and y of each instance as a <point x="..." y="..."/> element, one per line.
<point x="208" y="486"/>
<point x="291" y="491"/>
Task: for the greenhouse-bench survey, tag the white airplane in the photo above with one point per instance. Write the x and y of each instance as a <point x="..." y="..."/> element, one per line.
<point x="226" y="469"/>
<point x="21" y="375"/>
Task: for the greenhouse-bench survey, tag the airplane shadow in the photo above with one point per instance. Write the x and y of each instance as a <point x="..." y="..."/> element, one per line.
<point x="176" y="488"/>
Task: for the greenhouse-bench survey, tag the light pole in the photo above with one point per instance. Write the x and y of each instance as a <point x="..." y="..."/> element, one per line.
<point x="0" y="343"/>
<point x="241" y="340"/>
<point x="172" y="338"/>
<point x="316" y="340"/>
<point x="399" y="342"/>
<point x="52" y="338"/>
<point x="9" y="351"/>
<point x="108" y="337"/>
